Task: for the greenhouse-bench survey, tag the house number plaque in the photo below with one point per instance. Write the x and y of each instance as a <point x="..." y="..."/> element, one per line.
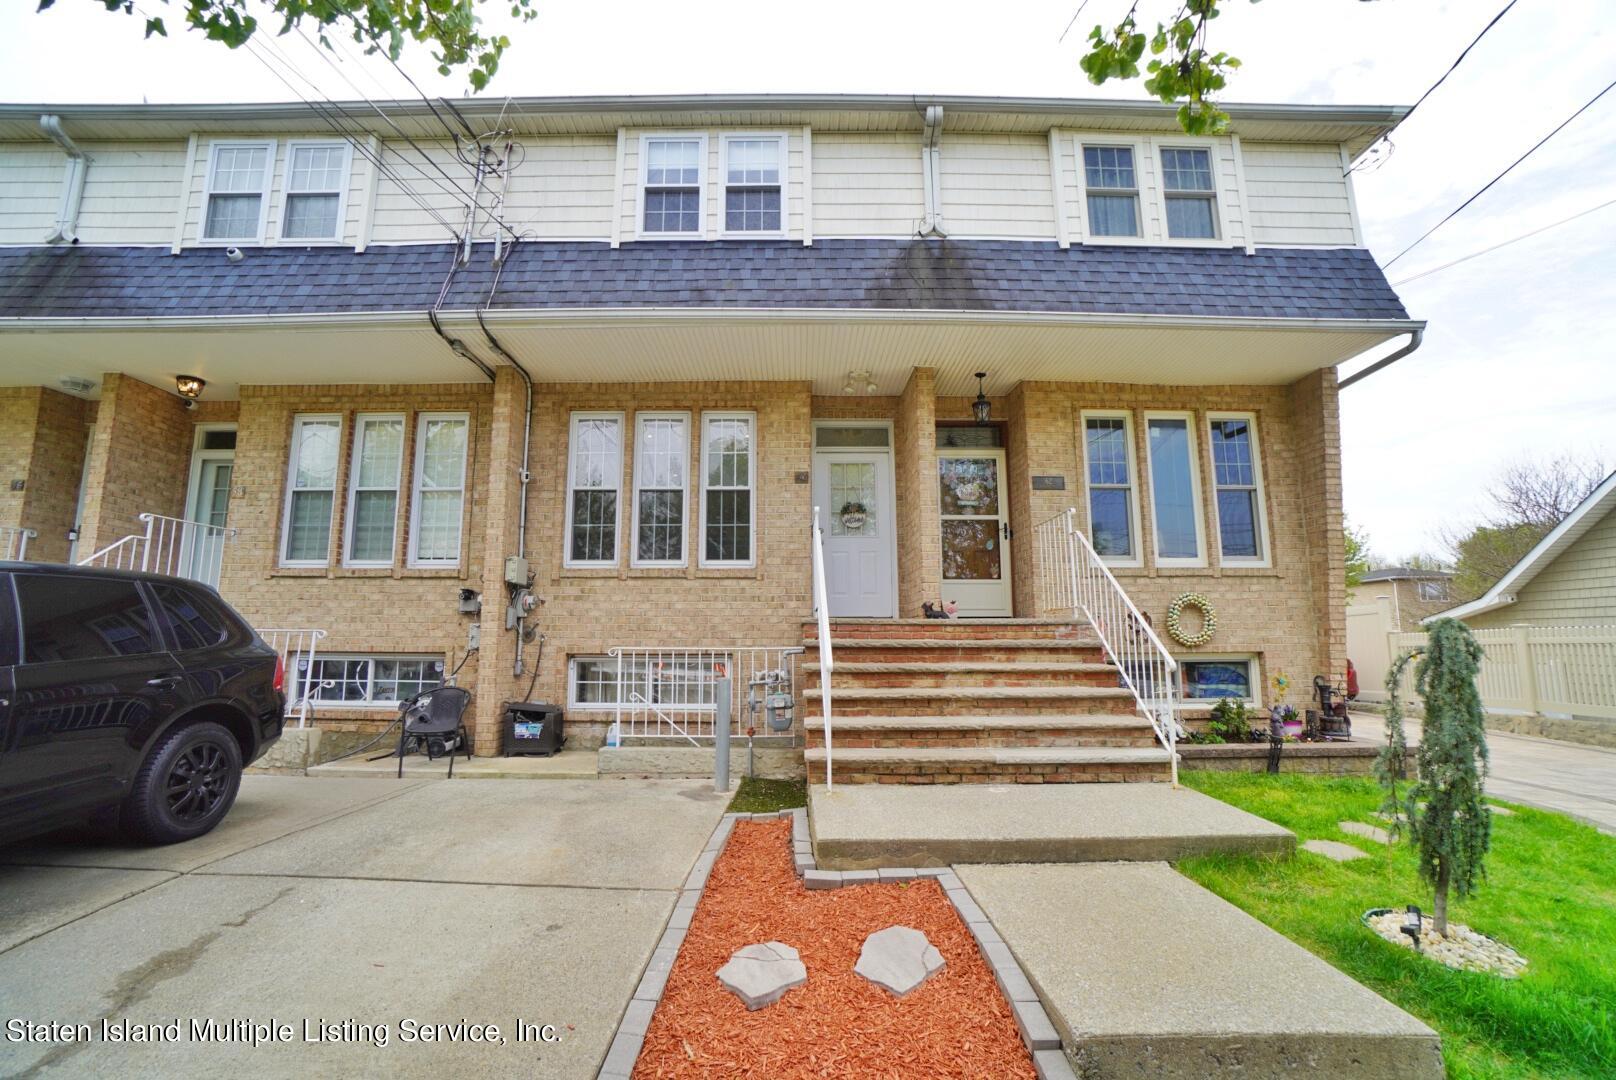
<point x="1049" y="483"/>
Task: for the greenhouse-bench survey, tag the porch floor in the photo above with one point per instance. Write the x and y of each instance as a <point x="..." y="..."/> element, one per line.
<point x="862" y="826"/>
<point x="567" y="765"/>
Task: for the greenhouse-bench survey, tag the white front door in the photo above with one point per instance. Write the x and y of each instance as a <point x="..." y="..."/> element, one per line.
<point x="213" y="465"/>
<point x="976" y="530"/>
<point x="854" y="492"/>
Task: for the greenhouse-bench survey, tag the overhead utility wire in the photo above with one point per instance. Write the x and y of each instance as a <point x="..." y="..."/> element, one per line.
<point x="1504" y="244"/>
<point x="1483" y="190"/>
<point x="1451" y="68"/>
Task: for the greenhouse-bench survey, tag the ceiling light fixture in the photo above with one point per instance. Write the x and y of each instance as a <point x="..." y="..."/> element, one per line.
<point x="189" y="386"/>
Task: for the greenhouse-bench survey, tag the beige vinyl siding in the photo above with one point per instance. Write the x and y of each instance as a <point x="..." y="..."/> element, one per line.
<point x="30" y="191"/>
<point x="562" y="188"/>
<point x="399" y="217"/>
<point x="1576" y="589"/>
<point x="130" y="192"/>
<point x="867" y="184"/>
<point x="998" y="186"/>
<point x="1298" y="195"/>
<point x="791" y="201"/>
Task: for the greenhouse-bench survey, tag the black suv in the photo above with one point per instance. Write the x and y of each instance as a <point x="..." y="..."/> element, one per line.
<point x="134" y="694"/>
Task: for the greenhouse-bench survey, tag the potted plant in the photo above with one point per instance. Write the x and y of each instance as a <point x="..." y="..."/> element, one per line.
<point x="1282" y="718"/>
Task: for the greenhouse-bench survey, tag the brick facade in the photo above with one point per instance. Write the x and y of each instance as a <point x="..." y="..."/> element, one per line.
<point x="42" y="440"/>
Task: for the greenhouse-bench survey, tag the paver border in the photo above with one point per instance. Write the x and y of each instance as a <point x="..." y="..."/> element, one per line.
<point x="1038" y="1034"/>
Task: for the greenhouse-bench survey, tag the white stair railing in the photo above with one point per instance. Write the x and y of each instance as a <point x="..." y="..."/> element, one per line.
<point x="14" y="542"/>
<point x="827" y="659"/>
<point x="298" y="650"/>
<point x="1072" y="581"/>
<point x="170" y="545"/>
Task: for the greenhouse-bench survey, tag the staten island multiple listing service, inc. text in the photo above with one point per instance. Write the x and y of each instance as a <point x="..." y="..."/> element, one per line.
<point x="268" y="1032"/>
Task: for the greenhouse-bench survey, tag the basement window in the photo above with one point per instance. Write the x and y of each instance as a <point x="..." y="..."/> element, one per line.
<point x="365" y="680"/>
<point x="236" y="191"/>
<point x="1215" y="679"/>
<point x="672" y="680"/>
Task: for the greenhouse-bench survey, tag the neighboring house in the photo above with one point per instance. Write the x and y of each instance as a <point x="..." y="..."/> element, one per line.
<point x="1568" y="579"/>
<point x="1414" y="593"/>
<point x="731" y="309"/>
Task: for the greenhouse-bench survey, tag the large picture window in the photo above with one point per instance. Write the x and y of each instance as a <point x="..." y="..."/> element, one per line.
<point x="1237" y="476"/>
<point x="728" y="482"/>
<point x="311" y="488"/>
<point x="236" y="191"/>
<point x="671" y="192"/>
<point x="1174" y="489"/>
<point x="439" y="494"/>
<point x="1113" y="511"/>
<point x="594" y="487"/>
<point x="661" y="479"/>
<point x="378" y="456"/>
<point x="752" y="185"/>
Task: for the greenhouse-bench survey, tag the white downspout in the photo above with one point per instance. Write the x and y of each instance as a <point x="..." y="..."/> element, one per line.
<point x="78" y="164"/>
<point x="931" y="169"/>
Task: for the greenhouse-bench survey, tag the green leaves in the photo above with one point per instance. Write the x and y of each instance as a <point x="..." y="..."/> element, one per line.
<point x="1182" y="71"/>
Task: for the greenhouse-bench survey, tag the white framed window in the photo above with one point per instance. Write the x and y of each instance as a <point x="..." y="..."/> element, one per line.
<point x="673" y="186"/>
<point x="311" y="489"/>
<point x="1111" y="184"/>
<point x="1175" y="489"/>
<point x="685" y="682"/>
<point x="661" y="487"/>
<point x="754" y="188"/>
<point x="1432" y="590"/>
<point x="438" y="494"/>
<point x="1113" y="495"/>
<point x="728" y="488"/>
<point x="594" y="488"/>
<point x="1188" y="192"/>
<point x="361" y="680"/>
<point x="372" y="518"/>
<point x="1213" y="678"/>
<point x="1238" y="502"/>
<point x="235" y="199"/>
<point x="316" y="186"/>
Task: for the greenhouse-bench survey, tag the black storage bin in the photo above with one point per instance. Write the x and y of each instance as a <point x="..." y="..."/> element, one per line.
<point x="532" y="727"/>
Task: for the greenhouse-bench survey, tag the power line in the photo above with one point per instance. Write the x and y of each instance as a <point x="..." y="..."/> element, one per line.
<point x="1078" y="14"/>
<point x="1504" y="244"/>
<point x="1483" y="190"/>
<point x="1451" y="68"/>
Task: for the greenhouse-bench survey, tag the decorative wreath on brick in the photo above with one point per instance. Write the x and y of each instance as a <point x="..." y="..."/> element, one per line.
<point x="1209" y="619"/>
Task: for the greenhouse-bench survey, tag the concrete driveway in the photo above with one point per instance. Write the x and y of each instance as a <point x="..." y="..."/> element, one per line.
<point x="357" y="927"/>
<point x="1569" y="777"/>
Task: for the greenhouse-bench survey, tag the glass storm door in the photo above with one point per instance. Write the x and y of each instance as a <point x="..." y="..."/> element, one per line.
<point x="213" y="466"/>
<point x="976" y="530"/>
<point x="853" y="490"/>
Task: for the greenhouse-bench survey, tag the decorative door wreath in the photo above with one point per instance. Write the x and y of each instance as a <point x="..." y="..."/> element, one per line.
<point x="1209" y="619"/>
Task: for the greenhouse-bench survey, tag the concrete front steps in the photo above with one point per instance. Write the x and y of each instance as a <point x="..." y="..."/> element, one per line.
<point x="942" y="701"/>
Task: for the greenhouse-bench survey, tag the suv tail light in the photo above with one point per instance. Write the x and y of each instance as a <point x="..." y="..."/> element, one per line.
<point x="280" y="673"/>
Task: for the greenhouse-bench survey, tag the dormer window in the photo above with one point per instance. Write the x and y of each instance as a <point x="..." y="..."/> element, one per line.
<point x="236" y="191"/>
<point x="1192" y="210"/>
<point x="672" y="186"/>
<point x="752" y="167"/>
<point x="1113" y="190"/>
<point x="316" y="174"/>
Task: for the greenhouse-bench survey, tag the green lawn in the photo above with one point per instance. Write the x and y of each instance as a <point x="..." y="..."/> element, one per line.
<point x="1550" y="892"/>
<point x="758" y="796"/>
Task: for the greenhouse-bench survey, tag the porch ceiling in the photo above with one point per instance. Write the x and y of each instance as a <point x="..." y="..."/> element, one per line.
<point x="660" y="346"/>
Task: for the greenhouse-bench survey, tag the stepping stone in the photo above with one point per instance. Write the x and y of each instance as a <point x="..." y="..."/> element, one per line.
<point x="1501" y="811"/>
<point x="1334" y="850"/>
<point x="1368" y="832"/>
<point x="898" y="959"/>
<point x="761" y="974"/>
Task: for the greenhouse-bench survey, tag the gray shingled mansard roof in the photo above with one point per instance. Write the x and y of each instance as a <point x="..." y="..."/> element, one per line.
<point x="950" y="275"/>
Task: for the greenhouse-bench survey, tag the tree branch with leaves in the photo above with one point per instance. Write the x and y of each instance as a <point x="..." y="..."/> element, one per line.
<point x="1182" y="68"/>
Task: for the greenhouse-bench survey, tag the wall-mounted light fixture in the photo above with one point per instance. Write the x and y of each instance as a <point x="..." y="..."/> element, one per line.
<point x="981" y="407"/>
<point x="189" y="386"/>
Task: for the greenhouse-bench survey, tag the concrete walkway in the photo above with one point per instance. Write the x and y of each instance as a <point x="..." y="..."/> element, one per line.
<point x="1569" y="777"/>
<point x="861" y="826"/>
<point x="362" y="908"/>
<point x="1145" y="973"/>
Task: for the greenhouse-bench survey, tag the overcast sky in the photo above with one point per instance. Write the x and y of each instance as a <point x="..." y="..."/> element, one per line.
<point x="1520" y="357"/>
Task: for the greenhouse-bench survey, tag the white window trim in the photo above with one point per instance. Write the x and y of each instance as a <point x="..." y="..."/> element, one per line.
<point x="1264" y="555"/>
<point x="1194" y="454"/>
<point x="648" y="137"/>
<point x="1220" y="210"/>
<point x="298" y="421"/>
<point x="572" y="684"/>
<point x="724" y="231"/>
<point x="684" y="523"/>
<point x="752" y="485"/>
<point x="268" y="145"/>
<point x="292" y="146"/>
<point x="354" y="457"/>
<point x="617" y="526"/>
<point x="1257" y="683"/>
<point x="1134" y="492"/>
<point x="370" y="684"/>
<point x="1144" y="176"/>
<point x="416" y="476"/>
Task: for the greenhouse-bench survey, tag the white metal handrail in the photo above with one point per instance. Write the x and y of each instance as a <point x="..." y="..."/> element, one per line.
<point x="827" y="658"/>
<point x="14" y="542"/>
<point x="670" y="692"/>
<point x="298" y="650"/>
<point x="170" y="545"/>
<point x="1072" y="579"/>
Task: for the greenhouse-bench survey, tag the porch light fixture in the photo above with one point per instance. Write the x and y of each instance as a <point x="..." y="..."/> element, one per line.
<point x="189" y="386"/>
<point x="981" y="407"/>
<point x="857" y="379"/>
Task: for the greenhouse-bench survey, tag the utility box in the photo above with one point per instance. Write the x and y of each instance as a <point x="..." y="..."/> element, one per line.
<point x="516" y="570"/>
<point x="532" y="728"/>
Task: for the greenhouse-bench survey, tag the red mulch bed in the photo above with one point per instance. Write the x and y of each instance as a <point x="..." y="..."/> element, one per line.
<point x="956" y="1024"/>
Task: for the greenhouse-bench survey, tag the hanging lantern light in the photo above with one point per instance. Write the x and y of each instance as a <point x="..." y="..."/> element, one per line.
<point x="981" y="407"/>
<point x="189" y="386"/>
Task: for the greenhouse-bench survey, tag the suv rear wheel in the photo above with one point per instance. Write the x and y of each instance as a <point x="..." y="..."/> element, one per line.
<point x="185" y="786"/>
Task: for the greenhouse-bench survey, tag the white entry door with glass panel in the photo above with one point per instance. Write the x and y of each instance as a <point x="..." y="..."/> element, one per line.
<point x="975" y="530"/>
<point x="853" y="488"/>
<point x="213" y="464"/>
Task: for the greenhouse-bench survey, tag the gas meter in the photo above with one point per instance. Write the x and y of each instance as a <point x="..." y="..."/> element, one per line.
<point x="771" y="691"/>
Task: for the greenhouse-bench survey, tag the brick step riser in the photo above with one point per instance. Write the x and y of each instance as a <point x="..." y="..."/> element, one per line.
<point x="1002" y="739"/>
<point x="953" y="628"/>
<point x="893" y="680"/>
<point x="854" y="653"/>
<point x="863" y="773"/>
<point x="946" y="707"/>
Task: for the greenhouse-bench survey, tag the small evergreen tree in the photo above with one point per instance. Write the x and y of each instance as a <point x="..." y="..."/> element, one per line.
<point x="1391" y="764"/>
<point x="1453" y="831"/>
